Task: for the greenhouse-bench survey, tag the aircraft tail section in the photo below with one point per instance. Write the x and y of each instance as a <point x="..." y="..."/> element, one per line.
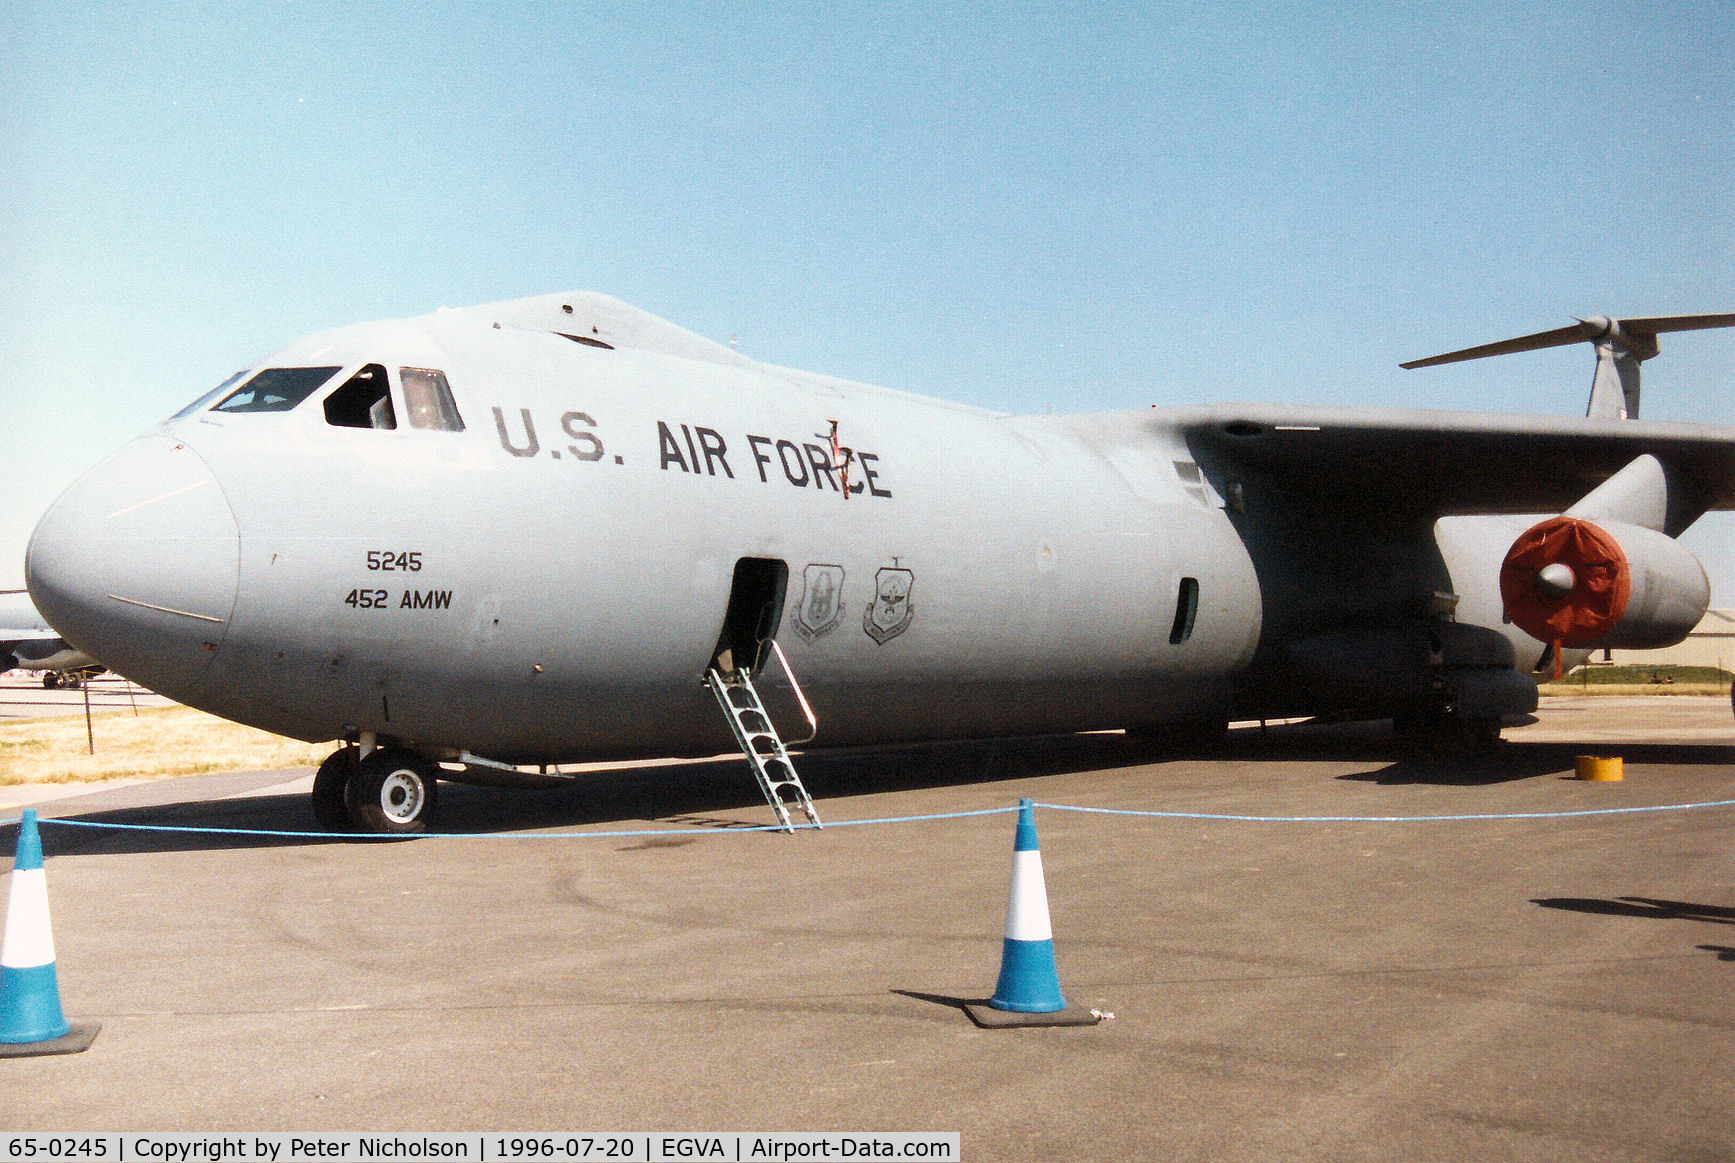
<point x="1621" y="345"/>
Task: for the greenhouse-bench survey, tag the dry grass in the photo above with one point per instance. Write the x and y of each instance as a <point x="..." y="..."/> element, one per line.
<point x="153" y="744"/>
<point x="1601" y="679"/>
<point x="1574" y="687"/>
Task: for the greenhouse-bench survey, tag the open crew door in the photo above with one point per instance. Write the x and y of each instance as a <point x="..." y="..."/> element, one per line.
<point x="749" y="626"/>
<point x="755" y="611"/>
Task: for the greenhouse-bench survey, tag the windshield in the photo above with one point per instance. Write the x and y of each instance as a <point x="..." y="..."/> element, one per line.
<point x="199" y="404"/>
<point x="276" y="389"/>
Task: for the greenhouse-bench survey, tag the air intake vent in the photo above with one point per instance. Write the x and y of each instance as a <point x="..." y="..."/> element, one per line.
<point x="586" y="340"/>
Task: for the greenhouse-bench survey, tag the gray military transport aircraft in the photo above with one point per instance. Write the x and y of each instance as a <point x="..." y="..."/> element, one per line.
<point x="27" y="642"/>
<point x="561" y="529"/>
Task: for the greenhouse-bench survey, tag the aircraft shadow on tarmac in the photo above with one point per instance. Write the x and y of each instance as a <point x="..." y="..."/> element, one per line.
<point x="1639" y="906"/>
<point x="722" y="795"/>
<point x="1518" y="761"/>
<point x="1647" y="907"/>
<point x="700" y="794"/>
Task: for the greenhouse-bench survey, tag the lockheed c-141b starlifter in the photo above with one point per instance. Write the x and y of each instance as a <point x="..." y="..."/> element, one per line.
<point x="562" y="529"/>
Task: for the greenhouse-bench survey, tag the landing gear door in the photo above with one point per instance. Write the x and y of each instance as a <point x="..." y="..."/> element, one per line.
<point x="755" y="611"/>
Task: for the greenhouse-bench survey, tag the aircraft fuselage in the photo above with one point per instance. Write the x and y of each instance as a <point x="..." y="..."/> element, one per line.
<point x="549" y="584"/>
<point x="533" y="532"/>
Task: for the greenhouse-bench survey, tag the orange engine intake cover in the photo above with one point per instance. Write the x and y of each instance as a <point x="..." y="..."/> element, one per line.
<point x="1602" y="581"/>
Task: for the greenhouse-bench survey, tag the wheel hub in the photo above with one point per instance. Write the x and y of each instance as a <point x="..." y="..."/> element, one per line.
<point x="401" y="796"/>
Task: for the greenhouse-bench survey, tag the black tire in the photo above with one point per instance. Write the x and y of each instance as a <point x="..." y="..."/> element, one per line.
<point x="330" y="783"/>
<point x="1442" y="736"/>
<point x="1199" y="735"/>
<point x="391" y="793"/>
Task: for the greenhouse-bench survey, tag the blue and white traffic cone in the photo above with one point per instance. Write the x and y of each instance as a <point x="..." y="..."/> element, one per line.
<point x="29" y="989"/>
<point x="31" y="1021"/>
<point x="1029" y="982"/>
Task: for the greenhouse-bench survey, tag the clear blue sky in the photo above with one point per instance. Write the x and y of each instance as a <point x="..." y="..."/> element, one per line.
<point x="1078" y="206"/>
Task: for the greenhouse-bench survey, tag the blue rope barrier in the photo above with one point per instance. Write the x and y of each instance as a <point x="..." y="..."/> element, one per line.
<point x="47" y="821"/>
<point x="743" y="829"/>
<point x="1386" y="819"/>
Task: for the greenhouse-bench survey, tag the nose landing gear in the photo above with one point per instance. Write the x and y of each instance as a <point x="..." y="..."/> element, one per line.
<point x="391" y="792"/>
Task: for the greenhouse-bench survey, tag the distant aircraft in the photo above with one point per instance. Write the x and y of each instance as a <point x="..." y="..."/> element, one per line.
<point x="29" y="643"/>
<point x="562" y="529"/>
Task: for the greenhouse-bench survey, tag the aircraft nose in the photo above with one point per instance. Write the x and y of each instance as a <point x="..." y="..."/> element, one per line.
<point x="136" y="564"/>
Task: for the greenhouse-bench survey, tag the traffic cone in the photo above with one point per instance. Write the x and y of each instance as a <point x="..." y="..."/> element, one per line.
<point x="31" y="1021"/>
<point x="1028" y="993"/>
<point x="1029" y="981"/>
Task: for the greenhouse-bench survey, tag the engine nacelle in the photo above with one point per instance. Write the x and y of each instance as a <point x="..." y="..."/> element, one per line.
<point x="1602" y="584"/>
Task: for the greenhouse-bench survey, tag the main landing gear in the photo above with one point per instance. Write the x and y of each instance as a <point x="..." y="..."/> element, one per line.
<point x="1425" y="733"/>
<point x="391" y="792"/>
<point x="1198" y="735"/>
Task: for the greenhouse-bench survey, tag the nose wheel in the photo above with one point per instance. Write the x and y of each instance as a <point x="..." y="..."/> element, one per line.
<point x="390" y="792"/>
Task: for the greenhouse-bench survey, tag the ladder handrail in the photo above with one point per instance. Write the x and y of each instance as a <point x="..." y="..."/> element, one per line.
<point x="761" y="763"/>
<point x="806" y="707"/>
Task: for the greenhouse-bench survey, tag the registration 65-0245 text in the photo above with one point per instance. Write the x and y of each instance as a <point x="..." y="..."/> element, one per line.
<point x="38" y="1147"/>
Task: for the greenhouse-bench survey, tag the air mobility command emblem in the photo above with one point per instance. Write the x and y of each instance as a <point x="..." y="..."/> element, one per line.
<point x="889" y="614"/>
<point x="820" y="610"/>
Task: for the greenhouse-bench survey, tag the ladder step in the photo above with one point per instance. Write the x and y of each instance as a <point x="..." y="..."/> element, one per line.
<point x="759" y="742"/>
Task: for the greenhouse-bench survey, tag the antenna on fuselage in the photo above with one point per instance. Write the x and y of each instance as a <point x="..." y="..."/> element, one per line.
<point x="1621" y="345"/>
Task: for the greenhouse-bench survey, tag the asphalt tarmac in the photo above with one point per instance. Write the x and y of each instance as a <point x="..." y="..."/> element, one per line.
<point x="1540" y="987"/>
<point x="22" y="696"/>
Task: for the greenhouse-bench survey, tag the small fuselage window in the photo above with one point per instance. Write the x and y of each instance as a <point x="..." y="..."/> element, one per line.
<point x="364" y="401"/>
<point x="276" y="389"/>
<point x="1186" y="610"/>
<point x="428" y="400"/>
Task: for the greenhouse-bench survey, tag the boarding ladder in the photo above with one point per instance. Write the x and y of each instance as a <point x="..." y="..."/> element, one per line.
<point x="761" y="744"/>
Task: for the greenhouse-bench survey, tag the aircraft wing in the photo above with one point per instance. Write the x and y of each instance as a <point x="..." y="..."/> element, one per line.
<point x="25" y="639"/>
<point x="19" y="621"/>
<point x="1451" y="463"/>
<point x="12" y="636"/>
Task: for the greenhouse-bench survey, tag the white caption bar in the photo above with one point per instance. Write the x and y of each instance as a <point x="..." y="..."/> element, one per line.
<point x="479" y="1147"/>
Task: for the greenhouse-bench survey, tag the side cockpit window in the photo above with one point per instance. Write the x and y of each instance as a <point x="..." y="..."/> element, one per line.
<point x="276" y="389"/>
<point x="365" y="401"/>
<point x="428" y="400"/>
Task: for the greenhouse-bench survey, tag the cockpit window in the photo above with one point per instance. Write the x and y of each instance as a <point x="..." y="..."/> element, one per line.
<point x="365" y="401"/>
<point x="428" y="398"/>
<point x="276" y="389"/>
<point x="204" y="400"/>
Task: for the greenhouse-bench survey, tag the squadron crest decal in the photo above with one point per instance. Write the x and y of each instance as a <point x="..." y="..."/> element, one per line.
<point x="889" y="614"/>
<point x="820" y="610"/>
